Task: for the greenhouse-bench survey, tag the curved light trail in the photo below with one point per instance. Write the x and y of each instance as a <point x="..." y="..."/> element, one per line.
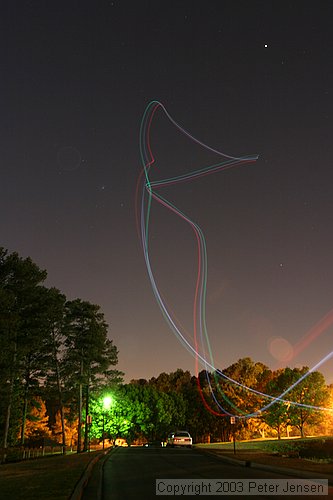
<point x="150" y="192"/>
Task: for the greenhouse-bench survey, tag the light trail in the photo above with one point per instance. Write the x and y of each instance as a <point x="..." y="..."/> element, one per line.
<point x="150" y="191"/>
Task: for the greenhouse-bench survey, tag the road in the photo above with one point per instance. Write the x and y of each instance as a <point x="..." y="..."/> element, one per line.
<point x="131" y="473"/>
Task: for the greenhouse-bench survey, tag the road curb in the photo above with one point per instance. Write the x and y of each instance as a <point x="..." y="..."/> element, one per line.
<point x="272" y="468"/>
<point x="86" y="475"/>
<point x="293" y="472"/>
<point x="229" y="460"/>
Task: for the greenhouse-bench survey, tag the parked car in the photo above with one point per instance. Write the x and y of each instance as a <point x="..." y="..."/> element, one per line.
<point x="179" y="438"/>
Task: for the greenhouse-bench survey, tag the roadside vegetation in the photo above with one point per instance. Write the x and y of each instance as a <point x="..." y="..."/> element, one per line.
<point x="53" y="478"/>
<point x="59" y="384"/>
<point x="53" y="353"/>
<point x="312" y="448"/>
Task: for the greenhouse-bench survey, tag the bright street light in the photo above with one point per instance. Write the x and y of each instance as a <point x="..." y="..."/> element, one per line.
<point x="107" y="403"/>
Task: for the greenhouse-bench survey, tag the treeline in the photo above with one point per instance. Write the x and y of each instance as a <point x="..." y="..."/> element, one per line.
<point x="57" y="367"/>
<point x="53" y="351"/>
<point x="149" y="409"/>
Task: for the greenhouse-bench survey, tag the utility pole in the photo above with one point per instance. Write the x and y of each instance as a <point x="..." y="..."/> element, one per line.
<point x="233" y="422"/>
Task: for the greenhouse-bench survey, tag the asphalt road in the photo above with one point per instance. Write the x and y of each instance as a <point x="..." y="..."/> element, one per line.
<point x="131" y="473"/>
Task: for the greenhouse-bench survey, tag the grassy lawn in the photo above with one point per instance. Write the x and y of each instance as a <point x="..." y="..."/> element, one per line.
<point x="260" y="445"/>
<point x="311" y="455"/>
<point x="49" y="478"/>
<point x="263" y="445"/>
<point x="311" y="447"/>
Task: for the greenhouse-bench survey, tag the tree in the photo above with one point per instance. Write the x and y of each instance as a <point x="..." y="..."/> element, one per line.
<point x="89" y="353"/>
<point x="311" y="391"/>
<point x="19" y="284"/>
<point x="248" y="374"/>
<point x="326" y="426"/>
<point x="45" y="343"/>
<point x="226" y="393"/>
<point x="37" y="420"/>
<point x="176" y="381"/>
<point x="69" y="424"/>
<point x="198" y="421"/>
<point x="35" y="334"/>
<point x="138" y="411"/>
<point x="276" y="416"/>
<point x="54" y="352"/>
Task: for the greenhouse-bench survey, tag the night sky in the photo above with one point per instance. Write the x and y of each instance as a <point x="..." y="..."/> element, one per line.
<point x="252" y="77"/>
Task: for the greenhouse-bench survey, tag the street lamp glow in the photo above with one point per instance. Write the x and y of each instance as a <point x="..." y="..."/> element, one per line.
<point x="107" y="402"/>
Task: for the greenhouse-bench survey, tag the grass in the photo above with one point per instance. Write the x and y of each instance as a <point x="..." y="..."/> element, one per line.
<point x="255" y="445"/>
<point x="309" y="454"/>
<point x="321" y="448"/>
<point x="49" y="478"/>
